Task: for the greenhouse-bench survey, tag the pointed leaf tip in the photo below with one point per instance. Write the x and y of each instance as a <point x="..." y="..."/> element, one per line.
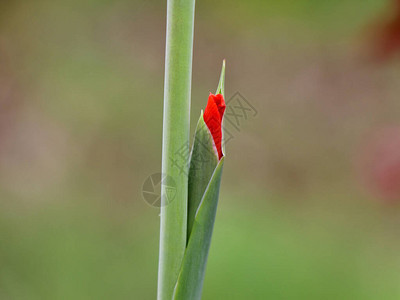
<point x="221" y="84"/>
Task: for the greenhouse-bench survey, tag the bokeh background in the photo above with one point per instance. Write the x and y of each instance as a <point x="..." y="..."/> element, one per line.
<point x="308" y="205"/>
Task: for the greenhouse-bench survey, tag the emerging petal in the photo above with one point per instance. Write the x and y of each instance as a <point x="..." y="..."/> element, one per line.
<point x="213" y="115"/>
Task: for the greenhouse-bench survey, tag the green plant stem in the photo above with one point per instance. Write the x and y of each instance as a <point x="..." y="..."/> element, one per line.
<point x="175" y="154"/>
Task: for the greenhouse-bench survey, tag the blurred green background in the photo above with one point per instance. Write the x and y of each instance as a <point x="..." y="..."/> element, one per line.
<point x="81" y="87"/>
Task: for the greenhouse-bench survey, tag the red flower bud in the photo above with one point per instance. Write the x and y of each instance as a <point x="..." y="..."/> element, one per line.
<point x="213" y="115"/>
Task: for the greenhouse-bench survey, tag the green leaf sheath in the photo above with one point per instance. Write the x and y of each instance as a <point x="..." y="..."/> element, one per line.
<point x="190" y="281"/>
<point x="203" y="161"/>
<point x="175" y="152"/>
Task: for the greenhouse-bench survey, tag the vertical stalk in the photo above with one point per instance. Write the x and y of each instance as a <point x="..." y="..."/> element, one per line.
<point x="175" y="154"/>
